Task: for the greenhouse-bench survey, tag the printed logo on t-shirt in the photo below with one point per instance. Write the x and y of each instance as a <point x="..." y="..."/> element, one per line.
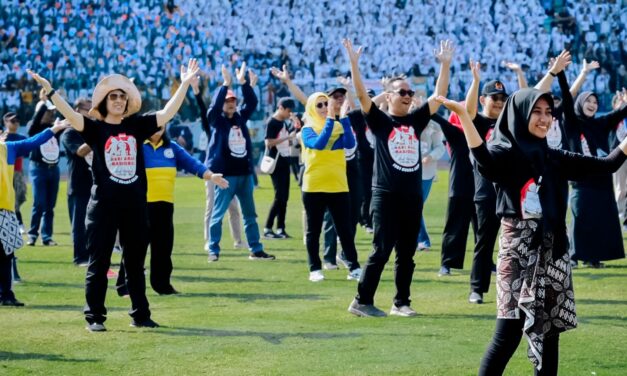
<point x="50" y="151"/>
<point x="488" y="135"/>
<point x="621" y="130"/>
<point x="369" y="137"/>
<point x="284" y="147"/>
<point x="554" y="135"/>
<point x="237" y="142"/>
<point x="121" y="158"/>
<point x="404" y="148"/>
<point x="89" y="158"/>
<point x="349" y="154"/>
<point x="585" y="148"/>
<point x="530" y="200"/>
<point x="168" y="153"/>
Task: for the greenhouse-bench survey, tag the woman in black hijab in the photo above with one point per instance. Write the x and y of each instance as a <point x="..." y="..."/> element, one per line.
<point x="534" y="286"/>
<point x="592" y="201"/>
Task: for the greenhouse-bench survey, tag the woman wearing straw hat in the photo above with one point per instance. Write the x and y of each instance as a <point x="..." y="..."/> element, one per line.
<point x="118" y="196"/>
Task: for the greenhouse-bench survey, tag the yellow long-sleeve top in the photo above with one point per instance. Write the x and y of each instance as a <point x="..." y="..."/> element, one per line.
<point x="161" y="162"/>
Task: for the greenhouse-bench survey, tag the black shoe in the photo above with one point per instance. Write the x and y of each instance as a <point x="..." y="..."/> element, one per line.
<point x="50" y="243"/>
<point x="30" y="242"/>
<point x="269" y="234"/>
<point x="170" y="291"/>
<point x="261" y="255"/>
<point x="11" y="303"/>
<point x="280" y="232"/>
<point x="122" y="291"/>
<point x="148" y="323"/>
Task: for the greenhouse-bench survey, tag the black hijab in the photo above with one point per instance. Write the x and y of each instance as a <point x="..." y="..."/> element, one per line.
<point x="511" y="135"/>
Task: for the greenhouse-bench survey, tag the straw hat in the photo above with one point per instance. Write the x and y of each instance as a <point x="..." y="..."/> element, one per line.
<point x="115" y="82"/>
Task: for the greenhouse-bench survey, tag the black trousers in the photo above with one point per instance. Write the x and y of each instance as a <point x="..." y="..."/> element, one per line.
<point x="281" y="184"/>
<point x="6" y="278"/>
<point x="161" y="239"/>
<point x="366" y="185"/>
<point x="396" y="219"/>
<point x="459" y="214"/>
<point x="77" y="206"/>
<point x="356" y="194"/>
<point x="339" y="206"/>
<point x="488" y="225"/>
<point x="104" y="219"/>
<point x="505" y="341"/>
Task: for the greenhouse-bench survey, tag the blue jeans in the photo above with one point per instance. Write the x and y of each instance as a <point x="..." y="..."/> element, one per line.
<point x="423" y="236"/>
<point x="45" y="181"/>
<point x="242" y="187"/>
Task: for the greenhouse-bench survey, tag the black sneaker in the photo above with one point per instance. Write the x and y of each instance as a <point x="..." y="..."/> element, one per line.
<point x="11" y="303"/>
<point x="261" y="255"/>
<point x="280" y="232"/>
<point x="170" y="291"/>
<point x="30" y="242"/>
<point x="95" y="327"/>
<point x="269" y="234"/>
<point x="148" y="323"/>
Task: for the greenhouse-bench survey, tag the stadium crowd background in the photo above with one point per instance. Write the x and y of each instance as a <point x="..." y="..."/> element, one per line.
<point x="76" y="42"/>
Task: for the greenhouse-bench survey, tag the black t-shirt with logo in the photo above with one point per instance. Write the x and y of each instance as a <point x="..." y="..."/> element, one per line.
<point x="48" y="152"/>
<point x="484" y="189"/>
<point x="397" y="159"/>
<point x="79" y="179"/>
<point x="118" y="164"/>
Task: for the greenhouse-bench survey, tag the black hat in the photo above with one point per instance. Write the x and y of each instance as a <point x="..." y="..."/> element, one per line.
<point x="334" y="90"/>
<point x="371" y="93"/>
<point x="493" y="87"/>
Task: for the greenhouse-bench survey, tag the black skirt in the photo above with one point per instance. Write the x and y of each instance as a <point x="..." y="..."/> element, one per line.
<point x="595" y="232"/>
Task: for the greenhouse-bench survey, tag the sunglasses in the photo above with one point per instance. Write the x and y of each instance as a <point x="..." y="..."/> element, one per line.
<point x="116" y="96"/>
<point x="403" y="92"/>
<point x="322" y="104"/>
<point x="498" y="98"/>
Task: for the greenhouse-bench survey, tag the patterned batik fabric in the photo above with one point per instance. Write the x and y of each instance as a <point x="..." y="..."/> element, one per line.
<point x="10" y="232"/>
<point x="529" y="280"/>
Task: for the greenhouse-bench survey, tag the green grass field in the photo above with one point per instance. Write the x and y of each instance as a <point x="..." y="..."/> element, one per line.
<point x="240" y="317"/>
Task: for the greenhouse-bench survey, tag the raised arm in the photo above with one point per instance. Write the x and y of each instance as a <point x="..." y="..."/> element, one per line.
<point x="585" y="69"/>
<point x="348" y="138"/>
<point x="472" y="135"/>
<point x="284" y="76"/>
<point x="520" y="75"/>
<point x="35" y="126"/>
<point x="472" y="97"/>
<point x="75" y="119"/>
<point x="444" y="55"/>
<point x="202" y="108"/>
<point x="611" y="119"/>
<point x="171" y="108"/>
<point x="216" y="107"/>
<point x="360" y="89"/>
<point x="250" y="98"/>
<point x="556" y="65"/>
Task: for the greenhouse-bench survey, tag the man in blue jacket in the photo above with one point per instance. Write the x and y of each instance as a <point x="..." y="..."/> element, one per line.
<point x="230" y="154"/>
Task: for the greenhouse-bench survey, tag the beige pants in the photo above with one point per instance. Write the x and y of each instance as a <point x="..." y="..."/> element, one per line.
<point x="235" y="216"/>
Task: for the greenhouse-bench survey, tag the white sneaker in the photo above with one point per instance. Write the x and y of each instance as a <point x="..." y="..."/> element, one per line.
<point x="329" y="266"/>
<point x="403" y="311"/>
<point x="354" y="275"/>
<point x="316" y="276"/>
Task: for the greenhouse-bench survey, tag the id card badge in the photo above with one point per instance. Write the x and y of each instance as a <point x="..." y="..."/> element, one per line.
<point x="530" y="200"/>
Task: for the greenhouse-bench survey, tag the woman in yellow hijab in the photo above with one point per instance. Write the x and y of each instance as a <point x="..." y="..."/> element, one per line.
<point x="324" y="137"/>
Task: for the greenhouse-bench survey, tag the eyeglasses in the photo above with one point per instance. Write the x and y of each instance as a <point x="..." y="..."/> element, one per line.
<point x="322" y="104"/>
<point x="403" y="92"/>
<point x="116" y="96"/>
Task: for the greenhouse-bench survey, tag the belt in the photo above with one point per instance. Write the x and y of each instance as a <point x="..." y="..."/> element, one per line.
<point x="44" y="165"/>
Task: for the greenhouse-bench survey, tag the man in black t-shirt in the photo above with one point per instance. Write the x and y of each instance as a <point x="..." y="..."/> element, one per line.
<point x="397" y="183"/>
<point x="493" y="97"/>
<point x="278" y="145"/>
<point x="79" y="158"/>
